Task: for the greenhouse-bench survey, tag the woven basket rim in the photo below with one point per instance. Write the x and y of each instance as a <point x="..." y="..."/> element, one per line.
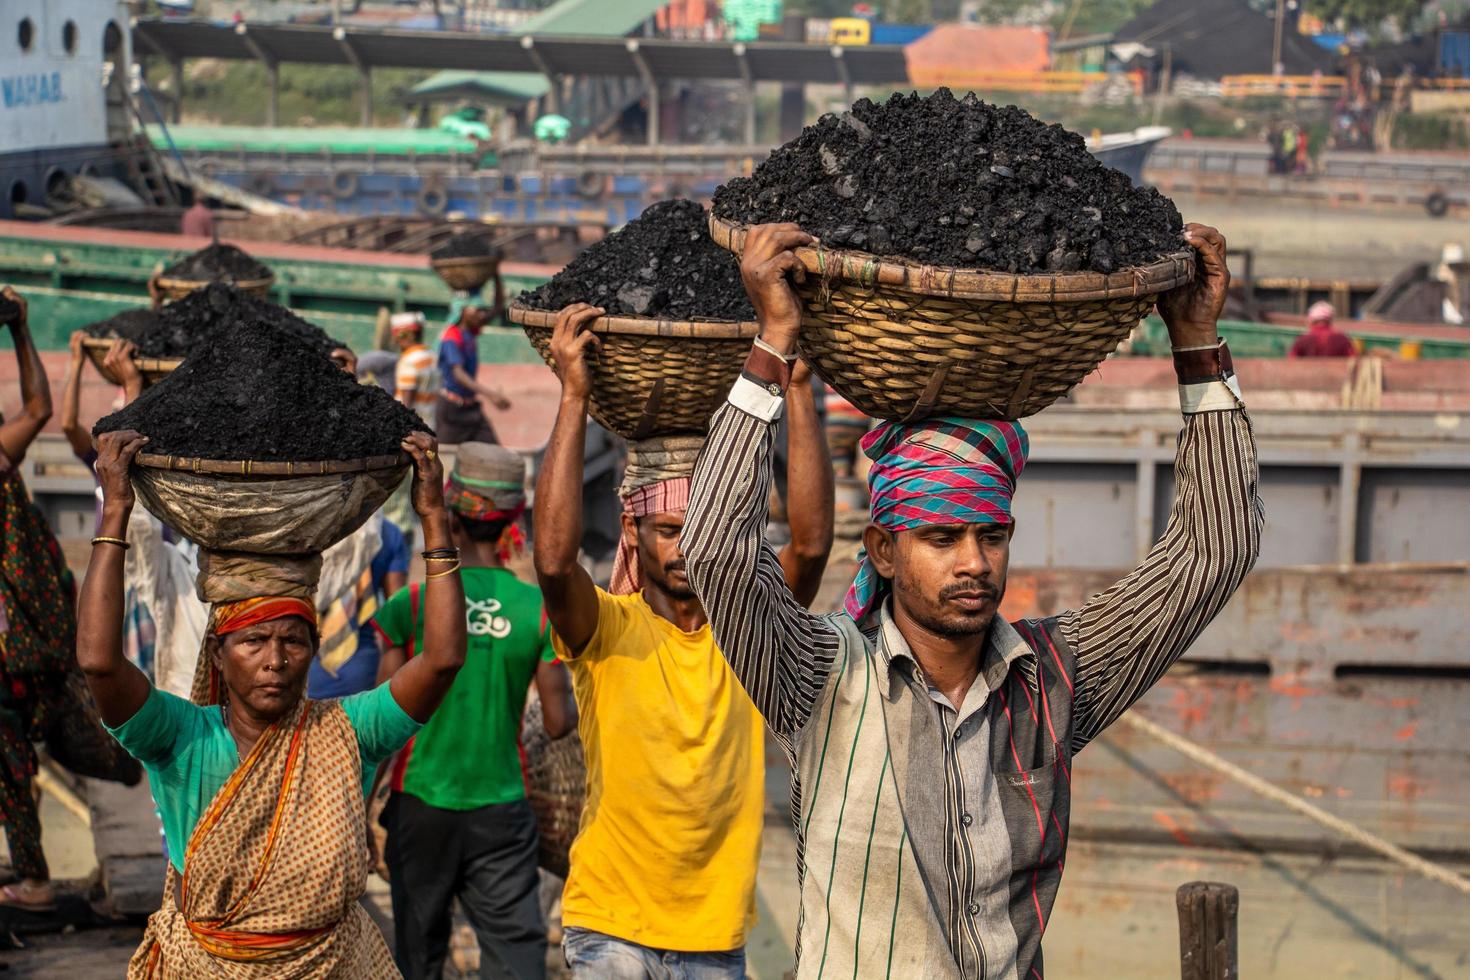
<point x="95" y="346"/>
<point x="1174" y="269"/>
<point x="639" y="326"/>
<point x="229" y="467"/>
<point x="171" y="282"/>
<point x="463" y="261"/>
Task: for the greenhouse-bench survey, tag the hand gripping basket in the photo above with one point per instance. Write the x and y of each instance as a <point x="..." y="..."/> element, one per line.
<point x="266" y="508"/>
<point x="467" y="274"/>
<point x="152" y="368"/>
<point x="654" y="377"/>
<point x="906" y="341"/>
<point x="175" y="289"/>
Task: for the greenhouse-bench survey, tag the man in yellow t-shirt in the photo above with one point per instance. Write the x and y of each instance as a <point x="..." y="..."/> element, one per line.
<point x="662" y="878"/>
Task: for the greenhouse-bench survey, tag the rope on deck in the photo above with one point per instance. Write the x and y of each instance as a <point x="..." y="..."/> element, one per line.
<point x="1210" y="760"/>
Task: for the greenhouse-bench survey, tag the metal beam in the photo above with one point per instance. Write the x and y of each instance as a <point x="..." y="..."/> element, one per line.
<point x="153" y="43"/>
<point x="739" y="51"/>
<point x="842" y="73"/>
<point x="272" y="71"/>
<point x="650" y="86"/>
<point x="528" y="44"/>
<point x="364" y="70"/>
<point x="177" y="68"/>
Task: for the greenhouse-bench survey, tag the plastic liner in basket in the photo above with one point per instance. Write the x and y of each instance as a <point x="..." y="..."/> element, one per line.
<point x="654" y="377"/>
<point x="263" y="508"/>
<point x="906" y="341"/>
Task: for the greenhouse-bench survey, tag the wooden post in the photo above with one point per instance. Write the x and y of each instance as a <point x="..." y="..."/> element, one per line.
<point x="1207" y="931"/>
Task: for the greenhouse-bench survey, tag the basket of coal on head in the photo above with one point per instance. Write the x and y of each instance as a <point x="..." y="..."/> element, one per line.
<point x="677" y="326"/>
<point x="140" y="326"/>
<point x="971" y="260"/>
<point x="218" y="262"/>
<point x="264" y="453"/>
<point x="466" y="261"/>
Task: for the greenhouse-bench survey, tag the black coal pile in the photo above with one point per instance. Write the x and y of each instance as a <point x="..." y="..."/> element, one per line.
<point x="465" y="246"/>
<point x="258" y="393"/>
<point x="199" y="319"/>
<point x="127" y="325"/>
<point x="217" y="263"/>
<point x="662" y="264"/>
<point x="956" y="182"/>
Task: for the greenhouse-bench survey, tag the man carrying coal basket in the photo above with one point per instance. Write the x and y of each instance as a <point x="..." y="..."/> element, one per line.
<point x="932" y="741"/>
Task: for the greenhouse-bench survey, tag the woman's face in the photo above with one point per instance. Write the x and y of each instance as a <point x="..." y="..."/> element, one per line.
<point x="265" y="665"/>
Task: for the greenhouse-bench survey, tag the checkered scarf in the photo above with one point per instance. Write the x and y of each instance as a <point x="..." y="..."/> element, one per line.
<point x="660" y="497"/>
<point x="939" y="471"/>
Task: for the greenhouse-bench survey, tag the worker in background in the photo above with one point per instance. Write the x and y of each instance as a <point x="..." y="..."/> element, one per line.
<point x="198" y="220"/>
<point x="459" y="413"/>
<point x="1322" y="338"/>
<point x="416" y="378"/>
<point x="43" y="697"/>
<point x="459" y="825"/>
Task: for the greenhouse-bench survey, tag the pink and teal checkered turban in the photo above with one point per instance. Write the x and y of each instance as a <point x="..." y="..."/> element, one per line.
<point x="939" y="471"/>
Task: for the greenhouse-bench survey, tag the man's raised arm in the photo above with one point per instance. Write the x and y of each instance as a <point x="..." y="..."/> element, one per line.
<point x="1125" y="638"/>
<point x="781" y="652"/>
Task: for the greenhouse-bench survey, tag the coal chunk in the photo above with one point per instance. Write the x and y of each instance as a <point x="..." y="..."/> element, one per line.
<point x="198" y="319"/>
<point x="217" y="263"/>
<point x="8" y="310"/>
<point x="1031" y="197"/>
<point x="696" y="279"/>
<point x="259" y="393"/>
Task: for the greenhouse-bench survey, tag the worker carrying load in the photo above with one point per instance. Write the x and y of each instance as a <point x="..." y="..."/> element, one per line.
<point x="265" y="453"/>
<point x="933" y="741"/>
<point x="662" y="875"/>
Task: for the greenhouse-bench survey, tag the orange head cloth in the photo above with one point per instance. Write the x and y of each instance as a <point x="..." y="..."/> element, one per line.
<point x="231" y="616"/>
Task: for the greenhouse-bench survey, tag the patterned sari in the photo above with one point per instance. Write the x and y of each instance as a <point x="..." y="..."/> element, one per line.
<point x="275" y="867"/>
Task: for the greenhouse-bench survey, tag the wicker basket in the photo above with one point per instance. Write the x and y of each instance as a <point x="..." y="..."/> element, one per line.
<point x="266" y="508"/>
<point x="556" y="786"/>
<point x="176" y="289"/>
<point x="152" y="368"/>
<point x="905" y="341"/>
<point x="466" y="274"/>
<point x="654" y="377"/>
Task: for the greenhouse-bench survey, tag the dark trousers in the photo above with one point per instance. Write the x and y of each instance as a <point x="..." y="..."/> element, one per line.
<point x="487" y="859"/>
<point x="455" y="423"/>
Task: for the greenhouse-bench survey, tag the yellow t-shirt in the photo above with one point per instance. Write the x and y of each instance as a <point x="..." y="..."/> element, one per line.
<point x="671" y="832"/>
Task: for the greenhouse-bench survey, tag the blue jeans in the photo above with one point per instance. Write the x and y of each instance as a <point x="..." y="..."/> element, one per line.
<point x="596" y="956"/>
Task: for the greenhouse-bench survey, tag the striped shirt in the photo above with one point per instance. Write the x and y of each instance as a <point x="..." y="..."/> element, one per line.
<point x="417" y="377"/>
<point x="931" y="841"/>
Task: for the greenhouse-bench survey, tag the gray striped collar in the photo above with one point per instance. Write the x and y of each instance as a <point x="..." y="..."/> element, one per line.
<point x="1003" y="647"/>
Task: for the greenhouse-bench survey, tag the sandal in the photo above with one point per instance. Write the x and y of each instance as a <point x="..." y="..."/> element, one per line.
<point x="28" y="897"/>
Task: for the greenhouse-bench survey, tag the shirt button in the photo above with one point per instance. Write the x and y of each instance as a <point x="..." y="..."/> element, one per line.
<point x="973" y="909"/>
<point x="966" y="819"/>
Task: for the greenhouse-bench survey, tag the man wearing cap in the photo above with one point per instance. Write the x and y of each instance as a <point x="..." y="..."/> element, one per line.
<point x="459" y="414"/>
<point x="1322" y="338"/>
<point x="931" y="741"/>
<point x="458" y="822"/>
<point x="662" y="878"/>
<point x="416" y="382"/>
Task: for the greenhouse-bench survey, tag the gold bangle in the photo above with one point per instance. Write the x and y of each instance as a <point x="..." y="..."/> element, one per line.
<point x="103" y="539"/>
<point x="447" y="571"/>
<point x="442" y="558"/>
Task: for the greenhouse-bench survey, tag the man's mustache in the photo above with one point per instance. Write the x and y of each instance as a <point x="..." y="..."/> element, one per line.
<point x="975" y="585"/>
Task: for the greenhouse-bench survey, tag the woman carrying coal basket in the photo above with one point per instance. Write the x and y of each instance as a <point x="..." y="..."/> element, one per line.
<point x="260" y="788"/>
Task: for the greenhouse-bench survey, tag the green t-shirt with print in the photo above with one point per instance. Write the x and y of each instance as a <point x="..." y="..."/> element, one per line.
<point x="468" y="754"/>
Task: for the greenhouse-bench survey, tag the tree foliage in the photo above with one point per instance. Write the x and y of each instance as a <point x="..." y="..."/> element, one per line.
<point x="1365" y="13"/>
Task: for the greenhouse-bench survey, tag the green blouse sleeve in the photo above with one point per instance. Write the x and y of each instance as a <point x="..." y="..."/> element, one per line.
<point x="382" y="726"/>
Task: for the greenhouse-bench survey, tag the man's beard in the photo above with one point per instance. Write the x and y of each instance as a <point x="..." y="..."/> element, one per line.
<point x="664" y="580"/>
<point x="931" y="616"/>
